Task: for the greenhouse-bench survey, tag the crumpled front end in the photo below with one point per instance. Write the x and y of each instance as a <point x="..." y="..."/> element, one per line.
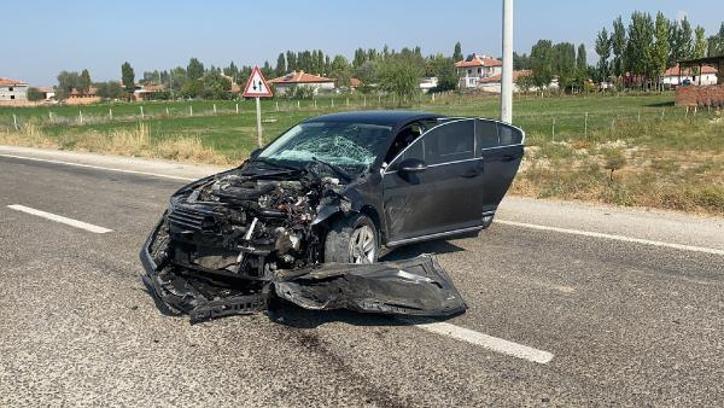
<point x="230" y="243"/>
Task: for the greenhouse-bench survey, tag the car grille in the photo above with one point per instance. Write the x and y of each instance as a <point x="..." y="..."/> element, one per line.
<point x="192" y="219"/>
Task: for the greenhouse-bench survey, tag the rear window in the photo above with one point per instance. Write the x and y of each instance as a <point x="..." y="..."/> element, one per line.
<point x="489" y="134"/>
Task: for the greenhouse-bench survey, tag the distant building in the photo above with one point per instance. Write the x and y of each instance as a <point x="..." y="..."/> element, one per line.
<point x="426" y="84"/>
<point x="676" y="75"/>
<point x="13" y="90"/>
<point x="492" y="84"/>
<point x="355" y="83"/>
<point x="80" y="97"/>
<point x="295" y="79"/>
<point x="148" y="91"/>
<point x="475" y="68"/>
<point x="47" y="91"/>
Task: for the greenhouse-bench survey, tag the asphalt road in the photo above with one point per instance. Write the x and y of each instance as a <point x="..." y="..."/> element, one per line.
<point x="624" y="322"/>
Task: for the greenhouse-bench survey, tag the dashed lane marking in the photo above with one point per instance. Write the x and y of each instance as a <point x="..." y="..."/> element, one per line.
<point x="59" y="218"/>
<point x="488" y="342"/>
<point x="90" y="166"/>
<point x="614" y="237"/>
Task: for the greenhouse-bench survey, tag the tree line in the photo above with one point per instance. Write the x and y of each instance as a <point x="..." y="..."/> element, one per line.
<point x="386" y="70"/>
<point x="638" y="54"/>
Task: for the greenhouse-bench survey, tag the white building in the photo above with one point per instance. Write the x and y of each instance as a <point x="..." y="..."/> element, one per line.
<point x="492" y="84"/>
<point x="13" y="90"/>
<point x="426" y="84"/>
<point x="675" y="76"/>
<point x="291" y="81"/>
<point x="476" y="67"/>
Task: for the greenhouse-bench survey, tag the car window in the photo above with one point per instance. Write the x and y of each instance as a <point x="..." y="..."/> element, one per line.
<point x="415" y="151"/>
<point x="449" y="142"/>
<point x="509" y="135"/>
<point x="486" y="133"/>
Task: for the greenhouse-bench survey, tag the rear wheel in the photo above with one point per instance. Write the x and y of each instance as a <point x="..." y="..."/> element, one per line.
<point x="352" y="239"/>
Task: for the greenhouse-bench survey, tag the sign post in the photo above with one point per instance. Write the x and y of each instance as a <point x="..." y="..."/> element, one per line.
<point x="257" y="87"/>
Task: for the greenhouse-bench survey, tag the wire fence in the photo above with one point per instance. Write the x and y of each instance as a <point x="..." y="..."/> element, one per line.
<point x="543" y="123"/>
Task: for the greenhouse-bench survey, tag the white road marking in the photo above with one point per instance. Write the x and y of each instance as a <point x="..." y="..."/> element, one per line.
<point x="488" y="342"/>
<point x="59" y="218"/>
<point x="90" y="166"/>
<point x="614" y="237"/>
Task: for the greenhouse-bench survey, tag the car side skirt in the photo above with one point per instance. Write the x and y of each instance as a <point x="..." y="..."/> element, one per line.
<point x="437" y="235"/>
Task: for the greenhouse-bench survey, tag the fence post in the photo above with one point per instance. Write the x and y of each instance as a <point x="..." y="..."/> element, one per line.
<point x="15" y="121"/>
<point x="379" y="99"/>
<point x="214" y="109"/>
<point x="191" y="110"/>
<point x="50" y="116"/>
<point x="333" y="102"/>
<point x="237" y="107"/>
<point x="143" y="116"/>
<point x="315" y="104"/>
<point x="638" y="118"/>
<point x="585" y="126"/>
<point x="167" y="112"/>
<point x="299" y="104"/>
<point x="433" y="96"/>
<point x="663" y="111"/>
<point x="80" y="116"/>
<point x="613" y="123"/>
<point x="277" y="105"/>
<point x="553" y="130"/>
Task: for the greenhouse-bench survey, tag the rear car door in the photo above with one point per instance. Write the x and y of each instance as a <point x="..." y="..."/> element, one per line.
<point x="446" y="196"/>
<point x="501" y="147"/>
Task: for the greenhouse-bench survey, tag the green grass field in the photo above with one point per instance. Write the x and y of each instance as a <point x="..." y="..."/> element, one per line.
<point x="672" y="158"/>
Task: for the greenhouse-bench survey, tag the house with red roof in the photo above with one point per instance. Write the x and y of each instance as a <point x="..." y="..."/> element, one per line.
<point x="676" y="75"/>
<point x="295" y="79"/>
<point x="13" y="90"/>
<point x="477" y="67"/>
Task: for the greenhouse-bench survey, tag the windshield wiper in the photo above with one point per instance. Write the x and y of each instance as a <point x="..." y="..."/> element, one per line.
<point x="336" y="169"/>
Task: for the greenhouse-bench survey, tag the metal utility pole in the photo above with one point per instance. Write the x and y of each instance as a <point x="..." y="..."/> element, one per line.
<point x="506" y="82"/>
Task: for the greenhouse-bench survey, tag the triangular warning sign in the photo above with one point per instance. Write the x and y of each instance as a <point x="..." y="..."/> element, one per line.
<point x="256" y="85"/>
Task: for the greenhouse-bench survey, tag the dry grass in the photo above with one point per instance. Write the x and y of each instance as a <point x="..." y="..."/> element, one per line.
<point x="136" y="142"/>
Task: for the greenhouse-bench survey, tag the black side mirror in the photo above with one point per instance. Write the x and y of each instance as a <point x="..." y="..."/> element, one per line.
<point x="412" y="166"/>
<point x="255" y="153"/>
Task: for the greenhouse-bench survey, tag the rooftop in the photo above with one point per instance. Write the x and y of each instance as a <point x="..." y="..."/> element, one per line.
<point x="11" y="82"/>
<point x="300" y="77"/>
<point x="676" y="70"/>
<point x="476" y="60"/>
<point x="516" y="75"/>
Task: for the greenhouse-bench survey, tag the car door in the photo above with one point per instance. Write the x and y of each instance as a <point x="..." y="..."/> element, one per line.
<point x="501" y="147"/>
<point x="446" y="196"/>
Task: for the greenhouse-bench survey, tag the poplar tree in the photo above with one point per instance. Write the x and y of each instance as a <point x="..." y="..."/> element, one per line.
<point x="603" y="49"/>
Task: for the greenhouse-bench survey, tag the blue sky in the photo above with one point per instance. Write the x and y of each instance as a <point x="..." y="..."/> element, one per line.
<point x="43" y="37"/>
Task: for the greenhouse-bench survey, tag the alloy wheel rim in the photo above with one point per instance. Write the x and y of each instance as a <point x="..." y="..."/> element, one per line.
<point x="363" y="245"/>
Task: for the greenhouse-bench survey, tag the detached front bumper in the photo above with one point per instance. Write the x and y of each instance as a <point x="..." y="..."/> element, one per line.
<point x="418" y="286"/>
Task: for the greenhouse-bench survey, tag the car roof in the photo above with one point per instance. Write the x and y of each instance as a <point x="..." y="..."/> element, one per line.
<point x="392" y="118"/>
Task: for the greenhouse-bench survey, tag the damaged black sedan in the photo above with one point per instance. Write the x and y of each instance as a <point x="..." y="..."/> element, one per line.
<point x="306" y="217"/>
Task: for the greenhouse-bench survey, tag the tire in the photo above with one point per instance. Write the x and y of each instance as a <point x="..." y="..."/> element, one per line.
<point x="339" y="246"/>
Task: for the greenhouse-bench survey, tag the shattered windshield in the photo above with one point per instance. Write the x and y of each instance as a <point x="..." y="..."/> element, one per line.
<point x="351" y="146"/>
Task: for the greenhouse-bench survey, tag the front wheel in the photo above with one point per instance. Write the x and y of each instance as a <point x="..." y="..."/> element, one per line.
<point x="352" y="239"/>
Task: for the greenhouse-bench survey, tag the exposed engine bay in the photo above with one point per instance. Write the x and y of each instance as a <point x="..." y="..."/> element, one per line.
<point x="231" y="242"/>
